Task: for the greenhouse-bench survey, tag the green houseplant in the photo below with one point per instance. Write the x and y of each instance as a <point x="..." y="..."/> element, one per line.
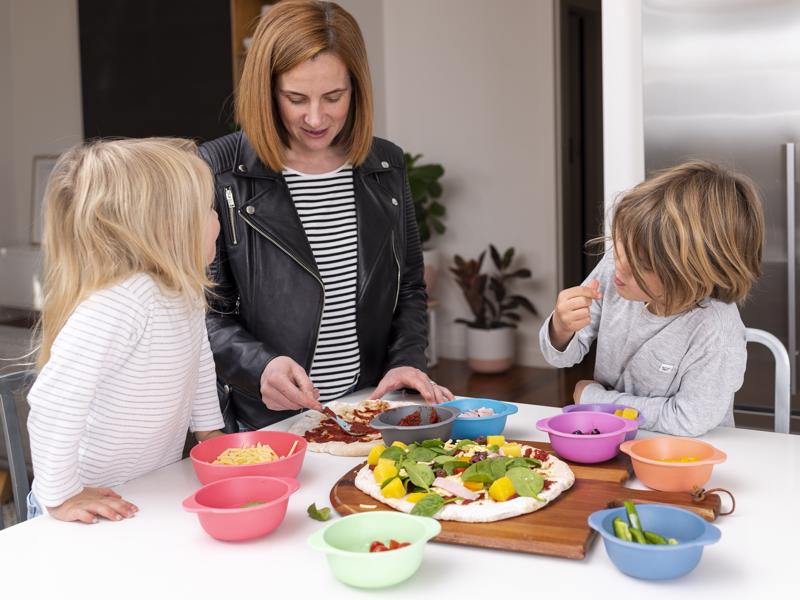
<point x="423" y="179"/>
<point x="496" y="310"/>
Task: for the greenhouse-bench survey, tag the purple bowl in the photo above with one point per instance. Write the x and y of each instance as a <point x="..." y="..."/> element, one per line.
<point x="586" y="448"/>
<point x="605" y="408"/>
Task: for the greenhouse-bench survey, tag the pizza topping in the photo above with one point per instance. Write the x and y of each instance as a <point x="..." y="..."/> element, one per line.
<point x="540" y="455"/>
<point x="319" y="514"/>
<point x="455" y="487"/>
<point x="477" y="413"/>
<point x="377" y="546"/>
<point x="414" y="419"/>
<point x="359" y="418"/>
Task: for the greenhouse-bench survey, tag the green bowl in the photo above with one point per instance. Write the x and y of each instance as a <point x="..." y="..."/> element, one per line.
<point x="346" y="544"/>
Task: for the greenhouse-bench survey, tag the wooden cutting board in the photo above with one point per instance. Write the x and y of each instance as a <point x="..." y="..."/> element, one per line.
<point x="559" y="529"/>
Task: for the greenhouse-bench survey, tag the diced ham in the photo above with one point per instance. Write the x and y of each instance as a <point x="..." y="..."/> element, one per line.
<point x="456" y="488"/>
<point x="477" y="413"/>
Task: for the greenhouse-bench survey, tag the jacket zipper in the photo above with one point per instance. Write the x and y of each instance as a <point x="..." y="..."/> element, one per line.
<point x="397" y="262"/>
<point x="231" y="213"/>
<point x="305" y="268"/>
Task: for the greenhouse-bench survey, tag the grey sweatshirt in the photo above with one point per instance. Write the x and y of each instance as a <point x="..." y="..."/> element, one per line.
<point x="680" y="372"/>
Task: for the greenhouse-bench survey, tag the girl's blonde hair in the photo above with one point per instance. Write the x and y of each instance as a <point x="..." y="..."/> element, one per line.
<point x="291" y="33"/>
<point x="116" y="208"/>
<point x="699" y="228"/>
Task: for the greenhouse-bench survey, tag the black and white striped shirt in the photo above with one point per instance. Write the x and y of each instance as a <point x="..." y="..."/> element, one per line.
<point x="128" y="373"/>
<point x="327" y="208"/>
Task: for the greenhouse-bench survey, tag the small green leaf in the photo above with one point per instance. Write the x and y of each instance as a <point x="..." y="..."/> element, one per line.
<point x="525" y="481"/>
<point x="421" y="455"/>
<point x="394" y="453"/>
<point x="319" y="514"/>
<point x="428" y="505"/>
<point x="419" y="474"/>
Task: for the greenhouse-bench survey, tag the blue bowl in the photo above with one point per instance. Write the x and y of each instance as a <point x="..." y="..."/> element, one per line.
<point x="606" y="408"/>
<point x="650" y="561"/>
<point x="465" y="428"/>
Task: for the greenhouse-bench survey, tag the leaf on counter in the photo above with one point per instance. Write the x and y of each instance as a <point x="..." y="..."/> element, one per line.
<point x="319" y="514"/>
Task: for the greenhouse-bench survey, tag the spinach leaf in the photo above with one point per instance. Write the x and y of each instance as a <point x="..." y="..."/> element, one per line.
<point x="393" y="453"/>
<point x="319" y="514"/>
<point x="479" y="471"/>
<point x="420" y="475"/>
<point x="441" y="460"/>
<point x="421" y="455"/>
<point x="451" y="466"/>
<point x="523" y="462"/>
<point x="526" y="482"/>
<point x="434" y="443"/>
<point x="428" y="505"/>
<point x="463" y="444"/>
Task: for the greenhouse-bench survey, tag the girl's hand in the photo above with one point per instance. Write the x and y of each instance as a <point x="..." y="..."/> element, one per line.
<point x="572" y="313"/>
<point x="579" y="387"/>
<point x="409" y="377"/>
<point x="286" y="386"/>
<point x="92" y="503"/>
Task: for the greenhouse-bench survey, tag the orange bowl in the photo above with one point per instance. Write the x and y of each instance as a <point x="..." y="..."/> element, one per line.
<point x="672" y="464"/>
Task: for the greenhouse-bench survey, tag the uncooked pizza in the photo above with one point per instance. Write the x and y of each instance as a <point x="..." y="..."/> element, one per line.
<point x="475" y="481"/>
<point x="324" y="435"/>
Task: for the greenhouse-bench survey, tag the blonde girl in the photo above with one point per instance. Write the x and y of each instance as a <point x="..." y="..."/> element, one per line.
<point x="124" y="362"/>
<point x="662" y="304"/>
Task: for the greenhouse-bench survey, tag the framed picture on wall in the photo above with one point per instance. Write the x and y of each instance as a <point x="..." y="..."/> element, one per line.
<point x="42" y="165"/>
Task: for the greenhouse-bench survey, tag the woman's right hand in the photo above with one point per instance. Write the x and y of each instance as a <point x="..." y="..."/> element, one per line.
<point x="572" y="313"/>
<point x="285" y="385"/>
<point x="92" y="503"/>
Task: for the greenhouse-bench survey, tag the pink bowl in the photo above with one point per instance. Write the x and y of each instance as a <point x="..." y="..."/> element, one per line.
<point x="223" y="512"/>
<point x="205" y="453"/>
<point x="586" y="448"/>
<point x="606" y="408"/>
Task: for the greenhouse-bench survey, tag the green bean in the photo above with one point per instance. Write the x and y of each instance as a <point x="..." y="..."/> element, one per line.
<point x="621" y="530"/>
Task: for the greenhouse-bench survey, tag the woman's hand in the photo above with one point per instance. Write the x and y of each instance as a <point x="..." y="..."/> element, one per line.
<point x="572" y="313"/>
<point x="92" y="503"/>
<point x="409" y="377"/>
<point x="285" y="386"/>
<point x="579" y="387"/>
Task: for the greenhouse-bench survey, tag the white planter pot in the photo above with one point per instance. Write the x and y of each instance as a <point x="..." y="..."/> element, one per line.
<point x="431" y="260"/>
<point x="490" y="350"/>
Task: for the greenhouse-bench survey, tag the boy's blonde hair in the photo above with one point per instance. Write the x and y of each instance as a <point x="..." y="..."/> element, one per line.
<point x="116" y="208"/>
<point x="699" y="228"/>
<point x="291" y="33"/>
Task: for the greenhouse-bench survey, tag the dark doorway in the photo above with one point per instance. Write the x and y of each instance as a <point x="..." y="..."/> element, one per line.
<point x="582" y="211"/>
<point x="150" y="67"/>
<point x="582" y="135"/>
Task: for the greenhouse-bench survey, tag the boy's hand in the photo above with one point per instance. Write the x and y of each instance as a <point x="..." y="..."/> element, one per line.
<point x="572" y="312"/>
<point x="92" y="503"/>
<point x="579" y="387"/>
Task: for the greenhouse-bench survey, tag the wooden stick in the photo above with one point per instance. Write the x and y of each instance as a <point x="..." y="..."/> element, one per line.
<point x="292" y="450"/>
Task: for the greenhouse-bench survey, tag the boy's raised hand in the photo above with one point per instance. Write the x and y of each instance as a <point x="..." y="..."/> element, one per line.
<point x="572" y="312"/>
<point x="92" y="503"/>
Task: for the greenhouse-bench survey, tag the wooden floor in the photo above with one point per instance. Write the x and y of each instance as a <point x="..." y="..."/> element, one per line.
<point x="527" y="385"/>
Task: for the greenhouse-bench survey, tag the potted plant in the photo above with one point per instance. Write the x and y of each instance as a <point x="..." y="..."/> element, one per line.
<point x="425" y="191"/>
<point x="495" y="310"/>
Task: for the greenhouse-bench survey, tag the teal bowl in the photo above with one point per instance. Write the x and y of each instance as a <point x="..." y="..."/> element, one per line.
<point x="652" y="561"/>
<point x="346" y="543"/>
<point x="466" y="428"/>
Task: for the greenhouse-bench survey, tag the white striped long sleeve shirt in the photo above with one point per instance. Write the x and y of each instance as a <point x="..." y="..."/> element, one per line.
<point x="128" y="373"/>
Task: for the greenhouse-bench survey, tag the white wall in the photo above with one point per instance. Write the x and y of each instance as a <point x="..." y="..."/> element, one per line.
<point x="6" y="132"/>
<point x="623" y="115"/>
<point x="471" y="84"/>
<point x="45" y="100"/>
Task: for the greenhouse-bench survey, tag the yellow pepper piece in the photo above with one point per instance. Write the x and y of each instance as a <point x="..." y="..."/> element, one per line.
<point x="511" y="450"/>
<point x="415" y="497"/>
<point x="400" y="444"/>
<point x="630" y="413"/>
<point x="375" y="454"/>
<point x="495" y="440"/>
<point x="475" y="486"/>
<point x="385" y="470"/>
<point x="394" y="489"/>
<point x="502" y="489"/>
<point x="618" y="412"/>
<point x="682" y="459"/>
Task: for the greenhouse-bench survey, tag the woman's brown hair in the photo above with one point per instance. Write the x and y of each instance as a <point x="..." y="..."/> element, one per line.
<point x="699" y="228"/>
<point x="291" y="33"/>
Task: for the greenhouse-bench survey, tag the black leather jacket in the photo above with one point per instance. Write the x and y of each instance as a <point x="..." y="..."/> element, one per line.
<point x="269" y="297"/>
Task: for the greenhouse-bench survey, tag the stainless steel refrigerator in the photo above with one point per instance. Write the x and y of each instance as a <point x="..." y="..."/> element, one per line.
<point x="722" y="83"/>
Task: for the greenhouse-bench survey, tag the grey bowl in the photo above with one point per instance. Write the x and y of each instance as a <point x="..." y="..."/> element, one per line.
<point x="387" y="423"/>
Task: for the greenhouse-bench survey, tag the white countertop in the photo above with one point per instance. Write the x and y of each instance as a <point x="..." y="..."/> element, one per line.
<point x="164" y="553"/>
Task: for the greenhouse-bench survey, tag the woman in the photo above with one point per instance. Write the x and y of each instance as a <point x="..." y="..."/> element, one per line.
<point x="318" y="267"/>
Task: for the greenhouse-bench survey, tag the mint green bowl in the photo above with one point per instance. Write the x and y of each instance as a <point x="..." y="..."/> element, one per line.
<point x="346" y="544"/>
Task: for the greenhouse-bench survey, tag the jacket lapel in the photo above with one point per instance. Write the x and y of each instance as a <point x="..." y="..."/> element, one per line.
<point x="374" y="209"/>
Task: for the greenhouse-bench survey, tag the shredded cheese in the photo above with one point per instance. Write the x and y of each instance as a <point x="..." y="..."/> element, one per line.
<point x="247" y="455"/>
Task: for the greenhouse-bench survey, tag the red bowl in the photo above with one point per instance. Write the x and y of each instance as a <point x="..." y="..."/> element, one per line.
<point x="205" y="453"/>
<point x="223" y="510"/>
